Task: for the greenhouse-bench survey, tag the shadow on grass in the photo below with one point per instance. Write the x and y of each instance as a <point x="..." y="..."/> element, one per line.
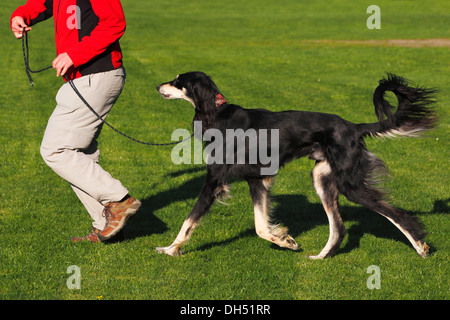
<point x="293" y="211"/>
<point x="145" y="223"/>
<point x="300" y="215"/>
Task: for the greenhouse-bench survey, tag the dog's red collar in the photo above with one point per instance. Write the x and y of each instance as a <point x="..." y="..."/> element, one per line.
<point x="220" y="100"/>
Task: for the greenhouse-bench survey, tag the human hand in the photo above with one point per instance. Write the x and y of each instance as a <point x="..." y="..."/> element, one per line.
<point x="62" y="63"/>
<point x="17" y="25"/>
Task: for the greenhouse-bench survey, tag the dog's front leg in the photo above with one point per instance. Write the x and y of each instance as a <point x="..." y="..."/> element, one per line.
<point x="259" y="190"/>
<point x="201" y="207"/>
<point x="185" y="233"/>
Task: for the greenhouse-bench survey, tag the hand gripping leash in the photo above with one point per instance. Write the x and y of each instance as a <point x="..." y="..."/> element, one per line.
<point x="29" y="71"/>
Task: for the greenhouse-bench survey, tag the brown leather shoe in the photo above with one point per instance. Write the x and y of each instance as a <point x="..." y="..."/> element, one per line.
<point x="117" y="214"/>
<point x="91" y="237"/>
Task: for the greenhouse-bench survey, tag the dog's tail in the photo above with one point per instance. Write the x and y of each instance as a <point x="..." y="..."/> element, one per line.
<point x="414" y="113"/>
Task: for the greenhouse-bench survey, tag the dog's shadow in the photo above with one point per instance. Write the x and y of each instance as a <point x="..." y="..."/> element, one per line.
<point x="300" y="216"/>
<point x="145" y="223"/>
<point x="293" y="211"/>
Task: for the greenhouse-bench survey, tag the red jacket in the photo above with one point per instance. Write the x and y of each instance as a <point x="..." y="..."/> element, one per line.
<point x="87" y="30"/>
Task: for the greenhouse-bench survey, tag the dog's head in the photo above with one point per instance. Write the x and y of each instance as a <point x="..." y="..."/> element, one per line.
<point x="195" y="87"/>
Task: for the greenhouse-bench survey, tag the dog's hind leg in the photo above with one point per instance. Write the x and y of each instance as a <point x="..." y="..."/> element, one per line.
<point x="259" y="190"/>
<point x="326" y="189"/>
<point x="408" y="225"/>
<point x="365" y="193"/>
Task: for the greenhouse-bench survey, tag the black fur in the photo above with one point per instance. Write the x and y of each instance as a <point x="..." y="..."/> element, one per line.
<point x="355" y="172"/>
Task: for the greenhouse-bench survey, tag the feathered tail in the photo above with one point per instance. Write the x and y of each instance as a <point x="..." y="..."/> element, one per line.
<point x="414" y="112"/>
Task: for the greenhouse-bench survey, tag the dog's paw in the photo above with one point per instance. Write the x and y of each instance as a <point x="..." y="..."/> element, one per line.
<point x="172" y="250"/>
<point x="292" y="244"/>
<point x="322" y="255"/>
<point x="283" y="239"/>
<point x="318" y="257"/>
<point x="289" y="243"/>
<point x="422" y="249"/>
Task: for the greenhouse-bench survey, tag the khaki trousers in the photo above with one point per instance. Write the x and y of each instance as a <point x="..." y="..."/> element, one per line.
<point x="69" y="146"/>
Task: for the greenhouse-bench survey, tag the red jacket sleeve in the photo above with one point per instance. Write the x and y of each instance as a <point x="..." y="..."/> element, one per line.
<point x="111" y="26"/>
<point x="34" y="11"/>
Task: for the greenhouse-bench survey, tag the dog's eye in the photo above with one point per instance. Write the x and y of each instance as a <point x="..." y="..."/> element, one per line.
<point x="176" y="83"/>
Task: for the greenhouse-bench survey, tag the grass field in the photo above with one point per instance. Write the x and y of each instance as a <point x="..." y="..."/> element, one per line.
<point x="286" y="54"/>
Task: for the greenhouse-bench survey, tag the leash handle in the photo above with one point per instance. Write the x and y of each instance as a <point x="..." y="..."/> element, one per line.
<point x="26" y="57"/>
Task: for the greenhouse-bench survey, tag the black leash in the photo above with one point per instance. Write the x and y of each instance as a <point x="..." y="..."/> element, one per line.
<point x="26" y="58"/>
<point x="29" y="71"/>
<point x="119" y="132"/>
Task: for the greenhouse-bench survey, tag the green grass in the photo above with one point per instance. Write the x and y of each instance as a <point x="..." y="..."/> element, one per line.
<point x="261" y="54"/>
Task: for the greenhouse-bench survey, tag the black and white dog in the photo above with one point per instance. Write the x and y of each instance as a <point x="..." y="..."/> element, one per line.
<point x="343" y="164"/>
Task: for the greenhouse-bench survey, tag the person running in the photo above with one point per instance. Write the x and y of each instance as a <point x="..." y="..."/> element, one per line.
<point x="88" y="52"/>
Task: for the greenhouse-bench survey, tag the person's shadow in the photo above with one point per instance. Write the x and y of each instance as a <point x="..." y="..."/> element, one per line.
<point x="293" y="211"/>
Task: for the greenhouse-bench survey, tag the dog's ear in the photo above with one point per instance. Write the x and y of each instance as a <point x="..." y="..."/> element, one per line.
<point x="204" y="92"/>
<point x="204" y="96"/>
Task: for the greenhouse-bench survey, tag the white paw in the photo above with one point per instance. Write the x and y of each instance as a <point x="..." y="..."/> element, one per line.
<point x="318" y="257"/>
<point x="172" y="250"/>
